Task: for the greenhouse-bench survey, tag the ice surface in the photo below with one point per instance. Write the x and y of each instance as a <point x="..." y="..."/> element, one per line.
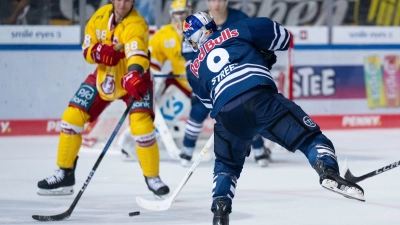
<point x="285" y="193"/>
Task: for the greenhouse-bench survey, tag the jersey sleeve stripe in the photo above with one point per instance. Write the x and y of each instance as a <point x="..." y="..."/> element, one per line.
<point x="206" y="102"/>
<point x="85" y="51"/>
<point x="285" y="45"/>
<point x="155" y="66"/>
<point x="138" y="53"/>
<point x="208" y="106"/>
<point x="239" y="71"/>
<point x="155" y="63"/>
<point x="273" y="41"/>
<point x="282" y="37"/>
<point x="86" y="54"/>
<point x="216" y="94"/>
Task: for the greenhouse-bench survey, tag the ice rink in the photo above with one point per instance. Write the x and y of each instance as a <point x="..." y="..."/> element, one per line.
<point x="285" y="193"/>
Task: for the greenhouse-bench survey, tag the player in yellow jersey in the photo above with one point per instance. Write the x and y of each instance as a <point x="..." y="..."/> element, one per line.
<point x="167" y="44"/>
<point x="119" y="75"/>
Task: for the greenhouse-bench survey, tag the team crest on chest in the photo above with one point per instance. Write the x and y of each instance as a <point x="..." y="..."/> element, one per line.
<point x="108" y="85"/>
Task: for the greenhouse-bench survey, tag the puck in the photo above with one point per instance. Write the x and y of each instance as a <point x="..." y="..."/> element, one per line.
<point x="134" y="213"/>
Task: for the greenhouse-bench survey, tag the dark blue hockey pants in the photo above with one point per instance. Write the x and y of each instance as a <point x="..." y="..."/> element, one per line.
<point x="262" y="111"/>
<point x="198" y="113"/>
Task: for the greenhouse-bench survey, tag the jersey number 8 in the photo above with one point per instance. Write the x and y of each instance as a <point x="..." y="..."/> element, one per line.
<point x="133" y="46"/>
<point x="101" y="35"/>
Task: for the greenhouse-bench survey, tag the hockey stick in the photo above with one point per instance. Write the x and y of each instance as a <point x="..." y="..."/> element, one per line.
<point x="165" y="134"/>
<point x="68" y="213"/>
<point x="166" y="204"/>
<point x="350" y="177"/>
<point x="161" y="125"/>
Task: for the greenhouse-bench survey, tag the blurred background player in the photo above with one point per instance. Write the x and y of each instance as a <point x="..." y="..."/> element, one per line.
<point x="246" y="102"/>
<point x="223" y="16"/>
<point x="119" y="75"/>
<point x="22" y="12"/>
<point x="167" y="44"/>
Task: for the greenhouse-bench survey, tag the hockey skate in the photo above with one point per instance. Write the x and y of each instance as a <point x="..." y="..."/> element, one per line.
<point x="61" y="183"/>
<point x="331" y="180"/>
<point x="159" y="189"/>
<point x="262" y="156"/>
<point x="221" y="213"/>
<point x="127" y="156"/>
<point x="186" y="156"/>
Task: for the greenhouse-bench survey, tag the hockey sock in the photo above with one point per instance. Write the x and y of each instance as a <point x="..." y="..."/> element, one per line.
<point x="320" y="148"/>
<point x="68" y="148"/>
<point x="224" y="186"/>
<point x="143" y="131"/>
<point x="149" y="158"/>
<point x="70" y="141"/>
<point x="192" y="132"/>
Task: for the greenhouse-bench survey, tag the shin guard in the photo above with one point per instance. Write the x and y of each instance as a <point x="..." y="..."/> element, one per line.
<point x="70" y="141"/>
<point x="320" y="148"/>
<point x="149" y="158"/>
<point x="224" y="186"/>
<point x="143" y="131"/>
<point x="68" y="148"/>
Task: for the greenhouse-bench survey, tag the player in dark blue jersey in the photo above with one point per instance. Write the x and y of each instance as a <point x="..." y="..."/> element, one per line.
<point x="228" y="74"/>
<point x="223" y="16"/>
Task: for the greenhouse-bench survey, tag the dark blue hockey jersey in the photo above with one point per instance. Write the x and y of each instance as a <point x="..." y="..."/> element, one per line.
<point x="230" y="62"/>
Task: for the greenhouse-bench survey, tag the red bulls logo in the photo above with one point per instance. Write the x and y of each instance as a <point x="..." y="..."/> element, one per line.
<point x="210" y="45"/>
<point x="187" y="26"/>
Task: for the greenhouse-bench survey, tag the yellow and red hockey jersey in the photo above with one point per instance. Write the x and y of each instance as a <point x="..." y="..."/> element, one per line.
<point x="132" y="32"/>
<point x="166" y="44"/>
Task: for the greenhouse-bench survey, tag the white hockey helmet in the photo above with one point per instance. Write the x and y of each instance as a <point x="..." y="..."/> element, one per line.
<point x="197" y="28"/>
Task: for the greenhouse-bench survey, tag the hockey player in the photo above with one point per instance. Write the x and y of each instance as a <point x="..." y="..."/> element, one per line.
<point x="228" y="75"/>
<point x="223" y="16"/>
<point x="168" y="44"/>
<point x="119" y="75"/>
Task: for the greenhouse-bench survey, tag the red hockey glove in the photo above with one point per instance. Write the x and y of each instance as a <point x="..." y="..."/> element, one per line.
<point x="106" y="54"/>
<point x="136" y="85"/>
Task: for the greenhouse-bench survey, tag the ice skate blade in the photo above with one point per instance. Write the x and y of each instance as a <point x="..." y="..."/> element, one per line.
<point x="329" y="186"/>
<point x="186" y="163"/>
<point x="161" y="197"/>
<point x="263" y="162"/>
<point x="56" y="192"/>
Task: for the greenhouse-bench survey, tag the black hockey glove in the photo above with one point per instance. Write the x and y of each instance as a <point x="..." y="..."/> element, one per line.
<point x="269" y="58"/>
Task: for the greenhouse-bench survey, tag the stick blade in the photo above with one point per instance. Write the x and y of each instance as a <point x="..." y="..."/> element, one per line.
<point x="154" y="205"/>
<point x="58" y="217"/>
<point x="348" y="175"/>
